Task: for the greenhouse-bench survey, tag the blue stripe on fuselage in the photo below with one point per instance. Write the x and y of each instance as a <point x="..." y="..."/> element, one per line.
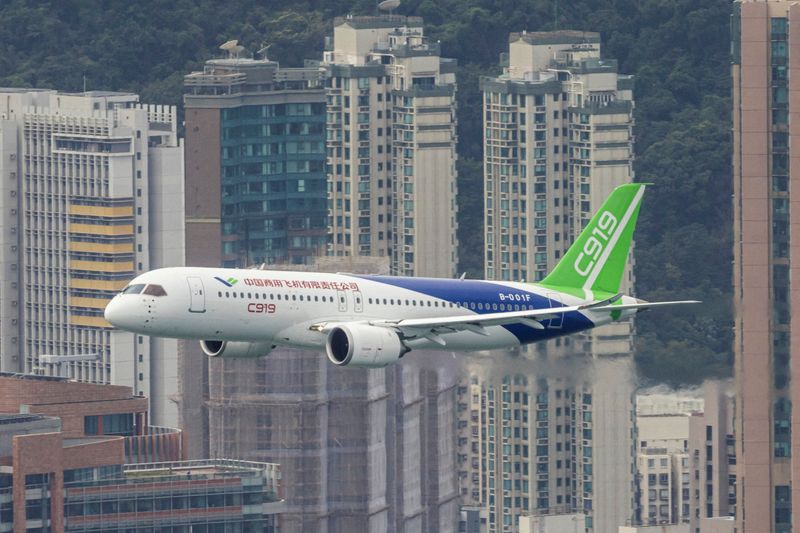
<point x="490" y="294"/>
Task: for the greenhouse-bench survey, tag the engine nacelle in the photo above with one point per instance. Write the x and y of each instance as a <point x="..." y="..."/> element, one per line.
<point x="227" y="349"/>
<point x="363" y="345"/>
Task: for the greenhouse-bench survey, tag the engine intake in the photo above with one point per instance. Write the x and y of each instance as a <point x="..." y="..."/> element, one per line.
<point x="362" y="345"/>
<point x="225" y="349"/>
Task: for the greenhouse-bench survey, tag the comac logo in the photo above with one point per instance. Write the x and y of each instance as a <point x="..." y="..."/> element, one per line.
<point x="230" y="282"/>
<point x="594" y="245"/>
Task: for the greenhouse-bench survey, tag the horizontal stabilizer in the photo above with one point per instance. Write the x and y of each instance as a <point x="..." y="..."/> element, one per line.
<point x="643" y="305"/>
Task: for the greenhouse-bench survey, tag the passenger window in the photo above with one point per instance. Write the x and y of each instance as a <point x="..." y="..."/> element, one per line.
<point x="133" y="289"/>
<point x="155" y="290"/>
<point x="249" y="295"/>
<point x="234" y="294"/>
<point x="227" y="294"/>
<point x="219" y="294"/>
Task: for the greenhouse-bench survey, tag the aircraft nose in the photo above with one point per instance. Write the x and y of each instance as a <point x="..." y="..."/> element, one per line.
<point x="113" y="313"/>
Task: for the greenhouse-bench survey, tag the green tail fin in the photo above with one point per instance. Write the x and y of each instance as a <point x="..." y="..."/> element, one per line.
<point x="596" y="260"/>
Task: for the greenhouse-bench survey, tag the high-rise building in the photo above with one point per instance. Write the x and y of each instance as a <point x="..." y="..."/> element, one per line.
<point x="91" y="189"/>
<point x="391" y="145"/>
<point x="713" y="458"/>
<point x="255" y="172"/>
<point x="664" y="469"/>
<point x="687" y="464"/>
<point x="557" y="140"/>
<point x="255" y="184"/>
<point x="766" y="256"/>
<point x="359" y="449"/>
<point x="547" y="440"/>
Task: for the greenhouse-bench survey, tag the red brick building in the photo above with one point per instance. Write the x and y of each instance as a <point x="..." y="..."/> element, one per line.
<point x="89" y="410"/>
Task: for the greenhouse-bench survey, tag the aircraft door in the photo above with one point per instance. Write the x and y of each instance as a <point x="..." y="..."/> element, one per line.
<point x="555" y="323"/>
<point x="358" y="302"/>
<point x="197" y="297"/>
<point x="341" y="297"/>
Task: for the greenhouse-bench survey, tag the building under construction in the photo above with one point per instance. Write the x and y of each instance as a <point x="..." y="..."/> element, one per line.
<point x="359" y="449"/>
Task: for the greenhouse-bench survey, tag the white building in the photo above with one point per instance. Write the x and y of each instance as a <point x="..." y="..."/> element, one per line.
<point x="91" y="193"/>
<point x="391" y="145"/>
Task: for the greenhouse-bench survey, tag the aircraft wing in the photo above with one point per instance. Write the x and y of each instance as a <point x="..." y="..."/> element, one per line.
<point x="433" y="326"/>
<point x="477" y="323"/>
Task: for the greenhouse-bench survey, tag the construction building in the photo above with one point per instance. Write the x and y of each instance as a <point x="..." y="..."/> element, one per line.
<point x="391" y="145"/>
<point x="766" y="254"/>
<point x="91" y="192"/>
<point x="359" y="449"/>
<point x="255" y="184"/>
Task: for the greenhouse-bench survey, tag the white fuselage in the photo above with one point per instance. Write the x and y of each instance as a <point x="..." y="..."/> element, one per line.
<point x="280" y="307"/>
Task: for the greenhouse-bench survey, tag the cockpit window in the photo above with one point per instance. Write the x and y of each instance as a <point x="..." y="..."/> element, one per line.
<point x="155" y="290"/>
<point x="133" y="289"/>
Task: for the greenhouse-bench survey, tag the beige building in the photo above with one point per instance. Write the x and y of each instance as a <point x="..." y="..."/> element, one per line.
<point x="552" y="437"/>
<point x="686" y="460"/>
<point x="88" y="195"/>
<point x="663" y="469"/>
<point x="557" y="140"/>
<point x="766" y="81"/>
<point x="391" y="145"/>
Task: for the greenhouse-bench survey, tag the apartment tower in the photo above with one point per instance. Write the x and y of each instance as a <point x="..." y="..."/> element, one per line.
<point x="766" y="127"/>
<point x="391" y="145"/>
<point x="557" y="140"/>
<point x="90" y="195"/>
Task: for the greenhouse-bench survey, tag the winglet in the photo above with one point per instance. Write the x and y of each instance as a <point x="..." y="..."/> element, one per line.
<point x="597" y="258"/>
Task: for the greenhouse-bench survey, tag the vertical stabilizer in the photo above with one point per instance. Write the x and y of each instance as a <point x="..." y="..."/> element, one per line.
<point x="596" y="260"/>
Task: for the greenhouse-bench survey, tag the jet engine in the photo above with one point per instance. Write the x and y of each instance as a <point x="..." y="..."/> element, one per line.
<point x="236" y="349"/>
<point x="362" y="345"/>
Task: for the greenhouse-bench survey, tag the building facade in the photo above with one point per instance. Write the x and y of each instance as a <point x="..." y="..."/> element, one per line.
<point x="686" y="456"/>
<point x="255" y="185"/>
<point x="359" y="449"/>
<point x="89" y="410"/>
<point x="547" y="440"/>
<point x="557" y="140"/>
<point x="391" y="145"/>
<point x="49" y="482"/>
<point x="766" y="40"/>
<point x="90" y="184"/>
<point x="255" y="137"/>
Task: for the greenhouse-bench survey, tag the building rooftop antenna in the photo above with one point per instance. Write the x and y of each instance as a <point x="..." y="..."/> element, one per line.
<point x="233" y="48"/>
<point x="389" y="5"/>
<point x="263" y="51"/>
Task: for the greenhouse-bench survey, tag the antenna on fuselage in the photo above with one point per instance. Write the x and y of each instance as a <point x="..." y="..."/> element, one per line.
<point x="462" y="276"/>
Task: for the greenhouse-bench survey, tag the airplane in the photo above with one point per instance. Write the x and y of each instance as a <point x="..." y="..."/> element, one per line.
<point x="373" y="321"/>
